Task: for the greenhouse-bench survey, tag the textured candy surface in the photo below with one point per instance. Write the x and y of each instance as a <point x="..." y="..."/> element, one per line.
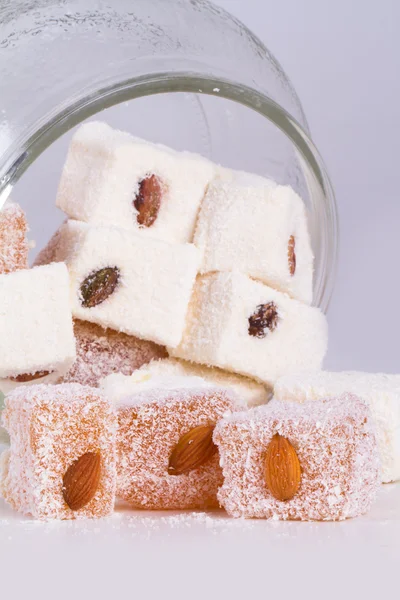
<point x="35" y="322"/>
<point x="151" y="188"/>
<point x="380" y="391"/>
<point x="335" y="443"/>
<point x="50" y="428"/>
<point x="150" y="294"/>
<point x="249" y="393"/>
<point x="14" y="246"/>
<point x="258" y="229"/>
<point x="246" y="327"/>
<point x="100" y="352"/>
<point x="151" y="423"/>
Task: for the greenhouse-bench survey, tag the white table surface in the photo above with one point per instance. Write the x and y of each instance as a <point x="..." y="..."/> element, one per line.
<point x="140" y="554"/>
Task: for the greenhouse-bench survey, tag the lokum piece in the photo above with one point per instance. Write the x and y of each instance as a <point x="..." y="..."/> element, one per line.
<point x="166" y="456"/>
<point x="260" y="230"/>
<point x="246" y="327"/>
<point x="100" y="352"/>
<point x="128" y="282"/>
<point x="317" y="461"/>
<point x="380" y="391"/>
<point x="36" y="337"/>
<point x="62" y="459"/>
<point x="150" y="187"/>
<point x="14" y="246"/>
<point x="249" y="392"/>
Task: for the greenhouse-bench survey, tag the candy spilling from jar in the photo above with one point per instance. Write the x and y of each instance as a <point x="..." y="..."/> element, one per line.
<point x="140" y="352"/>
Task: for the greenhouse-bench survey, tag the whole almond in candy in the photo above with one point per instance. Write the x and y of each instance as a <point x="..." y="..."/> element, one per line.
<point x="25" y="377"/>
<point x="292" y="255"/>
<point x="98" y="286"/>
<point x="148" y="200"/>
<point x="81" y="480"/>
<point x="282" y="469"/>
<point x="193" y="450"/>
<point x="263" y="320"/>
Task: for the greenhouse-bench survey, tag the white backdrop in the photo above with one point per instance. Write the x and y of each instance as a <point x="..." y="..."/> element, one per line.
<point x="343" y="57"/>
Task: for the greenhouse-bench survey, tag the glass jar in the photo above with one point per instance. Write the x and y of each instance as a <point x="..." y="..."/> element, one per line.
<point x="181" y="72"/>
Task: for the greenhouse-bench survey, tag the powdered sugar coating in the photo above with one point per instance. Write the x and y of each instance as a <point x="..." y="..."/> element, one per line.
<point x="249" y="392"/>
<point x="100" y="352"/>
<point x="335" y="442"/>
<point x="50" y="427"/>
<point x="104" y="168"/>
<point x="247" y="226"/>
<point x="217" y="329"/>
<point x="380" y="391"/>
<point x="14" y="246"/>
<point x="150" y="426"/>
<point x="155" y="281"/>
<point x="35" y="322"/>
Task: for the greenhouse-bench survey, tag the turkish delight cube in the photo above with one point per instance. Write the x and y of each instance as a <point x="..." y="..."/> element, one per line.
<point x="149" y="187"/>
<point x="128" y="282"/>
<point x="62" y="458"/>
<point x="14" y="246"/>
<point x="260" y="230"/>
<point x="246" y="327"/>
<point x="100" y="352"/>
<point x="249" y="392"/>
<point x="37" y="336"/>
<point x="317" y="461"/>
<point x="381" y="392"/>
<point x="166" y="456"/>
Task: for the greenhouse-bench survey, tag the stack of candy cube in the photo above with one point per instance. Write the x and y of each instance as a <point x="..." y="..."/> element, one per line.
<point x="140" y="353"/>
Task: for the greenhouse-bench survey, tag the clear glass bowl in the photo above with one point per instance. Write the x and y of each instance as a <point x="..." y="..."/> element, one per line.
<point x="181" y="72"/>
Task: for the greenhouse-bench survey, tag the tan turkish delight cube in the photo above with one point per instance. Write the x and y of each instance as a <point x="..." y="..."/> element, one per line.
<point x="166" y="456"/>
<point x="316" y="461"/>
<point x="62" y="459"/>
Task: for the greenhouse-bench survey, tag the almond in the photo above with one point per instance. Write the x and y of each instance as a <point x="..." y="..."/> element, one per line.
<point x="193" y="450"/>
<point x="98" y="286"/>
<point x="282" y="470"/>
<point x="148" y="200"/>
<point x="292" y="255"/>
<point x="25" y="377"/>
<point x="81" y="480"/>
<point x="265" y="319"/>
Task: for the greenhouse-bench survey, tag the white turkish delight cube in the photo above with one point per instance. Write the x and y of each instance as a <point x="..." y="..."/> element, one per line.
<point x="129" y="282"/>
<point x="36" y="331"/>
<point x="112" y="178"/>
<point x="259" y="228"/>
<point x="249" y="328"/>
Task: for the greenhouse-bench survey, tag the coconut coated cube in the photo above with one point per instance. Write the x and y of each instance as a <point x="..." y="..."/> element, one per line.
<point x="14" y="246"/>
<point x="317" y="461"/>
<point x="149" y="187"/>
<point x="51" y="428"/>
<point x="166" y="456"/>
<point x="249" y="392"/>
<point x="128" y="282"/>
<point x="260" y="229"/>
<point x="100" y="352"/>
<point x="380" y="391"/>
<point x="36" y="332"/>
<point x="246" y="327"/>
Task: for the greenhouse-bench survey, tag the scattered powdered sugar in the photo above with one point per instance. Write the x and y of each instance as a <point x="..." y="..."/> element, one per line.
<point x="335" y="442"/>
<point x="101" y="352"/>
